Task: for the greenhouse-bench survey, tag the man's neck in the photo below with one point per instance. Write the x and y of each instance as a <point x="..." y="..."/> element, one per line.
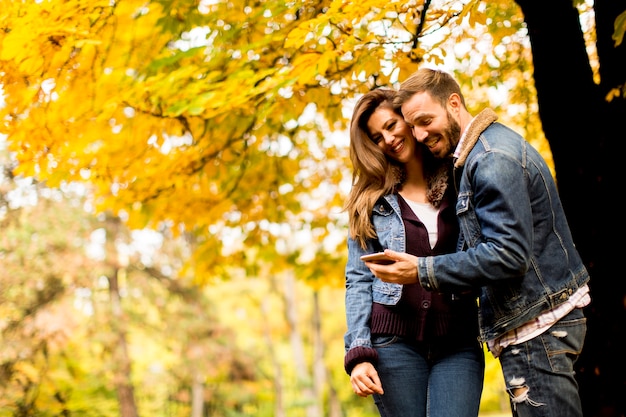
<point x="465" y="124"/>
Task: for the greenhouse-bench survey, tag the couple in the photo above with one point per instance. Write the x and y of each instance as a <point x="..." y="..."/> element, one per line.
<point x="482" y="253"/>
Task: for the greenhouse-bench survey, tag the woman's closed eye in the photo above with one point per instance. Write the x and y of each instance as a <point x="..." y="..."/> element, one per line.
<point x="376" y="138"/>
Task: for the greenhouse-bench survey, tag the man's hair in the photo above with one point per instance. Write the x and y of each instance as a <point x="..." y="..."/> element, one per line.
<point x="439" y="84"/>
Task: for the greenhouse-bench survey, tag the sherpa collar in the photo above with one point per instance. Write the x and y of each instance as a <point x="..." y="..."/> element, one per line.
<point x="478" y="125"/>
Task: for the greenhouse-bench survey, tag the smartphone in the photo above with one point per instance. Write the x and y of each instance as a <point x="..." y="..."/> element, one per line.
<point x="379" y="258"/>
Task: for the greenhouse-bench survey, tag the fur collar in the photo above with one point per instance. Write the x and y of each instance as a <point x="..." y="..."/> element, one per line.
<point x="437" y="184"/>
<point x="481" y="122"/>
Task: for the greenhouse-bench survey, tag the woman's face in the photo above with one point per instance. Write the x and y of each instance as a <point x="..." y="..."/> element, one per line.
<point x="390" y="132"/>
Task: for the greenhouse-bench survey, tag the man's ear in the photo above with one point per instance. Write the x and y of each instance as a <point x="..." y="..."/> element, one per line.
<point x="454" y="103"/>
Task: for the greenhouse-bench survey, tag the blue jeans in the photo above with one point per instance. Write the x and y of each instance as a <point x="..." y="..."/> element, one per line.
<point x="421" y="381"/>
<point x="539" y="373"/>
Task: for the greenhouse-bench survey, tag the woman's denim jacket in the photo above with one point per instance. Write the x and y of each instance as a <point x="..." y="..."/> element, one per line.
<point x="362" y="287"/>
<point x="515" y="242"/>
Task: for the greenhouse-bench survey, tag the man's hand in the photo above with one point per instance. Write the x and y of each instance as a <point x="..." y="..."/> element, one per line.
<point x="365" y="381"/>
<point x="403" y="271"/>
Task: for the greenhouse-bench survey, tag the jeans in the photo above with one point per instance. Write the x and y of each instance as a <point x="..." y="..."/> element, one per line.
<point x="421" y="381"/>
<point x="539" y="373"/>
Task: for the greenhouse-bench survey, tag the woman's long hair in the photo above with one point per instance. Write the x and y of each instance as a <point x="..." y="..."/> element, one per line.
<point x="374" y="175"/>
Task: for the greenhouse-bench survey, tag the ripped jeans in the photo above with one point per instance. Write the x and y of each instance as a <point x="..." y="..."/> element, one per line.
<point x="539" y="373"/>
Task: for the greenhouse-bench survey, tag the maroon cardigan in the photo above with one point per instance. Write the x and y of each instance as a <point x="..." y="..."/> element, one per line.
<point x="443" y="322"/>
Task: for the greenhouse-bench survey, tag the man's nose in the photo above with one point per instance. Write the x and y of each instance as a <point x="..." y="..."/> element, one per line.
<point x="420" y="134"/>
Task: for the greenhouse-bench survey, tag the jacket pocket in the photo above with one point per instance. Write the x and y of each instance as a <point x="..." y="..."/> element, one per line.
<point x="468" y="223"/>
<point x="386" y="293"/>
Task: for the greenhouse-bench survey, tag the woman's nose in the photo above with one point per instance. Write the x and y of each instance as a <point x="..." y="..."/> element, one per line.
<point x="388" y="137"/>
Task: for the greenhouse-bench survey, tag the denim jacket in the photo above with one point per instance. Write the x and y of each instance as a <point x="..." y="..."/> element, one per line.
<point x="515" y="242"/>
<point x="362" y="287"/>
<point x="373" y="305"/>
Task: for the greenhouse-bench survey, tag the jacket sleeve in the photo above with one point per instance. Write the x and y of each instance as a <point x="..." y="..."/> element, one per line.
<point x="358" y="303"/>
<point x="357" y="355"/>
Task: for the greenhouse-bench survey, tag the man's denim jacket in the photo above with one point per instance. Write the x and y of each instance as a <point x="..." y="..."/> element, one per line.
<point x="362" y="287"/>
<point x="515" y="241"/>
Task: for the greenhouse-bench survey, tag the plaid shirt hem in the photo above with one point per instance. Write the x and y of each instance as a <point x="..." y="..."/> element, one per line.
<point x="534" y="328"/>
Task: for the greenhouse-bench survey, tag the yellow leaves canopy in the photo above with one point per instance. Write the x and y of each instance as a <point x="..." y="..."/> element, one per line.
<point x="212" y="117"/>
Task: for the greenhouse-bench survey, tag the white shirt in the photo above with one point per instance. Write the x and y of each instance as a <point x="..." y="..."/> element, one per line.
<point x="428" y="215"/>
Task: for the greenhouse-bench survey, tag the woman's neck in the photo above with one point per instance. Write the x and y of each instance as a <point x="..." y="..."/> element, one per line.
<point x="415" y="185"/>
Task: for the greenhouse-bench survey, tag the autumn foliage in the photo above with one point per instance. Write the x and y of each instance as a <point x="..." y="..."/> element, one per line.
<point x="214" y="118"/>
<point x="223" y="124"/>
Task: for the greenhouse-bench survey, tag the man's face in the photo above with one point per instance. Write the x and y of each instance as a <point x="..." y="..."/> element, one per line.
<point x="432" y="124"/>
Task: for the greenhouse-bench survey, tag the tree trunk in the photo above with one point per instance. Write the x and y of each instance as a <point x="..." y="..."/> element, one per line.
<point x="197" y="393"/>
<point x="320" y="371"/>
<point x="305" y="383"/>
<point x="586" y="135"/>
<point x="121" y="359"/>
<point x="279" y="406"/>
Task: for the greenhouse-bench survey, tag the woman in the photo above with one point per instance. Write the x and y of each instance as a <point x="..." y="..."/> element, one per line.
<point x="416" y="352"/>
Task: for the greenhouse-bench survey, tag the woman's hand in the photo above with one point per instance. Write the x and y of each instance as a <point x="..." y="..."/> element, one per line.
<point x="403" y="271"/>
<point x="365" y="381"/>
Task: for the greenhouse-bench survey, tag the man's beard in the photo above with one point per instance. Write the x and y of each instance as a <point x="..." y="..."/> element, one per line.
<point x="453" y="133"/>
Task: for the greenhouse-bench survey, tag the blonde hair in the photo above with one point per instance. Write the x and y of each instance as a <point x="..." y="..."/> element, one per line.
<point x="439" y="84"/>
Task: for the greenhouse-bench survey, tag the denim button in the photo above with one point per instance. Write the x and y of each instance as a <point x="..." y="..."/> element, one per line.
<point x="425" y="304"/>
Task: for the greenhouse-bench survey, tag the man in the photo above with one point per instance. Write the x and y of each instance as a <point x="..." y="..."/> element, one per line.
<point x="515" y="242"/>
